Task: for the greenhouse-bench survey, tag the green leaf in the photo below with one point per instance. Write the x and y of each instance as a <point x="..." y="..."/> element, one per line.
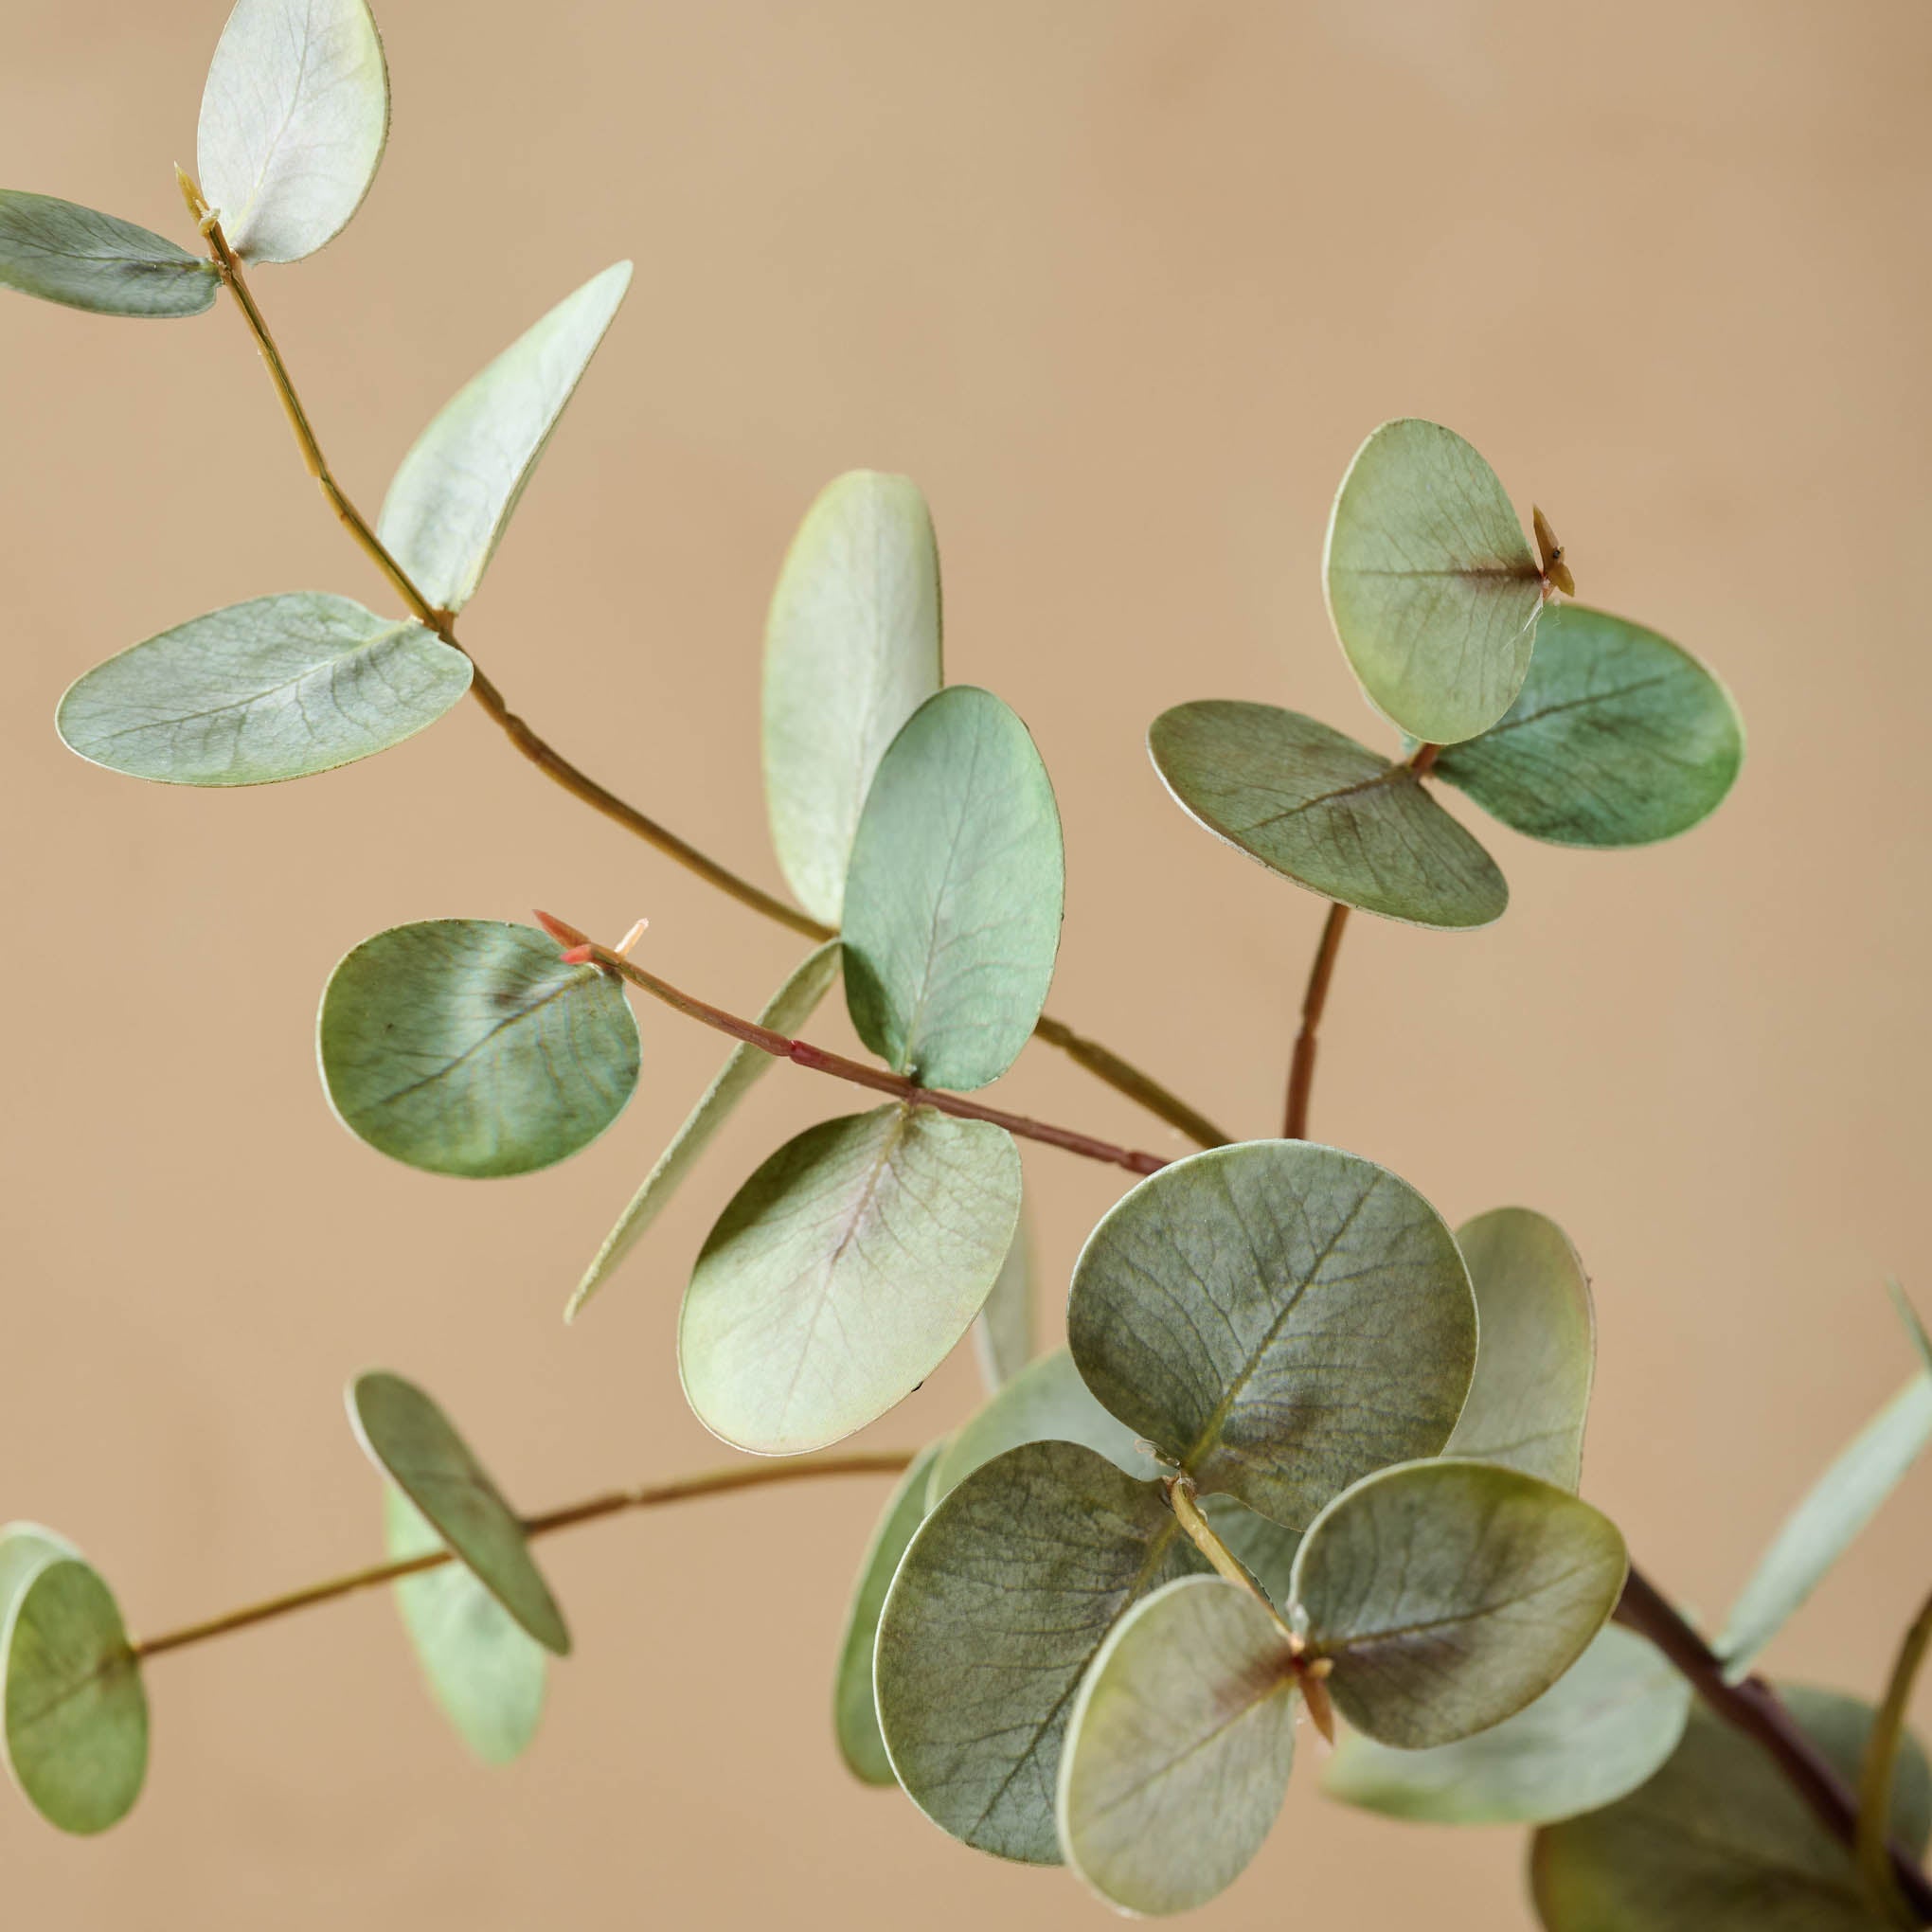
<point x="1617" y="738"/>
<point x="851" y="652"/>
<point x="1824" y="1524"/>
<point x="1433" y="591"/>
<point x="293" y="121"/>
<point x="410" y="1440"/>
<point x="1718" y="1841"/>
<point x="273" y="689"/>
<point x="1537" y="1350"/>
<point x="77" y="1715"/>
<point x="1003" y="1330"/>
<point x="24" y="1549"/>
<point x="1324" y="812"/>
<point x="487" y="1675"/>
<point x="842" y="1274"/>
<point x="1450" y="1594"/>
<point x="854" y="1713"/>
<point x="455" y="491"/>
<point x="1179" y="1748"/>
<point x="1278" y="1319"/>
<point x="1008" y="1592"/>
<point x="1595" y="1735"/>
<point x="952" y="907"/>
<point x="467" y="1046"/>
<point x="786" y="1011"/>
<point x="65" y="252"/>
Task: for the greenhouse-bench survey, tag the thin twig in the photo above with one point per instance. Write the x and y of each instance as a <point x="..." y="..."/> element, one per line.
<point x="1879" y="1772"/>
<point x="1301" y="1067"/>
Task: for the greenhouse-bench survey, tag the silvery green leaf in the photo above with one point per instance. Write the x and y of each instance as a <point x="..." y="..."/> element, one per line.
<point x="24" y="1548"/>
<point x="65" y="252"/>
<point x="1003" y="1330"/>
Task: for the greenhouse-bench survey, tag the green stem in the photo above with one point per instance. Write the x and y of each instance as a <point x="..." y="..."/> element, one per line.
<point x="1881" y="1768"/>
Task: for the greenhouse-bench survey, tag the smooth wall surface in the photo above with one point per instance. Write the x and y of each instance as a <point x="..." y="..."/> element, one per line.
<point x="1122" y="284"/>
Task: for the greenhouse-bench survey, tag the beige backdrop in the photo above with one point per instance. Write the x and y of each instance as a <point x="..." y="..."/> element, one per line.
<point x="1123" y="282"/>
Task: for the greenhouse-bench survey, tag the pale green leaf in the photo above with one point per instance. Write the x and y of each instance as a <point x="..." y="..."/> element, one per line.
<point x="842" y="1274"/>
<point x="953" y="906"/>
<point x="1003" y="1330"/>
<point x="277" y="688"/>
<point x="467" y="1046"/>
<point x="65" y="252"/>
<point x="24" y="1549"/>
<point x="455" y="491"/>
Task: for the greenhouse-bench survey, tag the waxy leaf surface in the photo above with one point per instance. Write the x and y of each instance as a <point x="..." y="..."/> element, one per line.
<point x="65" y="252"/>
<point x="24" y="1548"/>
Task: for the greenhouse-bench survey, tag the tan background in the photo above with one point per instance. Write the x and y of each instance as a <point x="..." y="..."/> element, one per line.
<point x="1122" y="285"/>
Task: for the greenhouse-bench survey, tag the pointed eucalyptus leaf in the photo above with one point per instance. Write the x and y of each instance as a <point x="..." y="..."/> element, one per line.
<point x="786" y="1011"/>
<point x="467" y="1046"/>
<point x="1179" y="1748"/>
<point x="293" y="120"/>
<point x="24" y="1549"/>
<point x="843" y="1272"/>
<point x="1617" y="738"/>
<point x="1537" y="1349"/>
<point x="410" y="1440"/>
<point x="76" y="1712"/>
<point x="1003" y="1330"/>
<point x="1276" y="1319"/>
<point x="855" y="1711"/>
<point x="277" y="688"/>
<point x="1915" y="1329"/>
<point x="1718" y="1841"/>
<point x="1326" y="812"/>
<point x="1008" y="1592"/>
<point x="851" y="652"/>
<point x="1449" y="1595"/>
<point x="65" y="252"/>
<point x="1604" y="1726"/>
<point x="487" y="1675"/>
<point x="953" y="901"/>
<point x="1825" y="1524"/>
<point x="456" y="489"/>
<point x="1432" y="588"/>
<point x="1265" y="1548"/>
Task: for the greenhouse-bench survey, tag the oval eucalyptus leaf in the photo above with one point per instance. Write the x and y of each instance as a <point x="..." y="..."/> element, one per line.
<point x="1003" y="1330"/>
<point x="76" y="1713"/>
<point x="1179" y="1748"/>
<point x="467" y="1046"/>
<point x="293" y="121"/>
<point x="1595" y="1735"/>
<point x="1718" y="1841"/>
<point x="851" y="652"/>
<point x="1617" y="738"/>
<point x="1008" y="1590"/>
<point x="455" y="491"/>
<point x="1449" y="1595"/>
<point x="786" y="1011"/>
<point x="1537" y="1349"/>
<point x="24" y="1549"/>
<point x="1324" y="812"/>
<point x="1278" y="1319"/>
<point x="1824" y="1524"/>
<point x="1265" y="1548"/>
<point x="1432" y="588"/>
<point x="842" y="1274"/>
<point x="953" y="901"/>
<point x="65" y="252"/>
<point x="277" y="688"/>
<point x="487" y="1675"/>
<point x="854" y="1713"/>
<point x="410" y="1440"/>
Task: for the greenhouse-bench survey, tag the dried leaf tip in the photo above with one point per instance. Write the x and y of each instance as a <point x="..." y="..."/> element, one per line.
<point x="1556" y="573"/>
<point x="564" y="935"/>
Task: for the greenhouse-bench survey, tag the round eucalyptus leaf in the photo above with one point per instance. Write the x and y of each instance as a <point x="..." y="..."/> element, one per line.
<point x="1324" y="812"/>
<point x="467" y="1046"/>
<point x="65" y="252"/>
<point x="1718" y="1841"/>
<point x="76" y="1713"/>
<point x="842" y="1274"/>
<point x="1007" y="1594"/>
<point x="410" y="1440"/>
<point x="1433" y="589"/>
<point x="1537" y="1349"/>
<point x="1617" y="738"/>
<point x="851" y="652"/>
<point x="277" y="688"/>
<point x="953" y="901"/>
<point x="293" y="120"/>
<point x="1278" y="1319"/>
<point x="24" y="1549"/>
<point x="1596" y="1734"/>
<point x="1003" y="1330"/>
<point x="457" y="488"/>
<point x="1179" y="1748"/>
<point x="1449" y="1595"/>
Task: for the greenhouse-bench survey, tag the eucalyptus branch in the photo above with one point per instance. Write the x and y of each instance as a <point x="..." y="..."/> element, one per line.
<point x="1301" y="1067"/>
<point x="1880" y="1770"/>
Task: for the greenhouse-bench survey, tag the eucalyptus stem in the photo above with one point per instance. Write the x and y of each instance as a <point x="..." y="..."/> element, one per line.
<point x="1880" y="1769"/>
<point x="1301" y="1067"/>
